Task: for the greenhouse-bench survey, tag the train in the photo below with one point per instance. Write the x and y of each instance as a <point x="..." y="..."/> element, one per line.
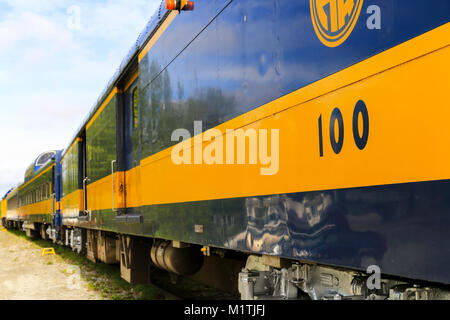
<point x="274" y="149"/>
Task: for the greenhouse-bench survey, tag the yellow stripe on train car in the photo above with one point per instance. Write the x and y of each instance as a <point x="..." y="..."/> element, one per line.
<point x="72" y="203"/>
<point x="42" y="207"/>
<point x="405" y="92"/>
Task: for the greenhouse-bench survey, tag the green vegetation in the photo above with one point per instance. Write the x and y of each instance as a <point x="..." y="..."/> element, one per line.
<point x="100" y="277"/>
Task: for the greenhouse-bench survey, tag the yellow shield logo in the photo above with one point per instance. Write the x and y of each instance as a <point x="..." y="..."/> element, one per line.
<point x="334" y="20"/>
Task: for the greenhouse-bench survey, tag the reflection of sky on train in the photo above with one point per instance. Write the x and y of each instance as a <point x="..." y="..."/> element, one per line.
<point x="252" y="75"/>
<point x="278" y="50"/>
<point x="308" y="226"/>
<point x="51" y="75"/>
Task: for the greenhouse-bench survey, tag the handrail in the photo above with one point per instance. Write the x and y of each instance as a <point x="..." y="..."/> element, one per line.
<point x="85" y="194"/>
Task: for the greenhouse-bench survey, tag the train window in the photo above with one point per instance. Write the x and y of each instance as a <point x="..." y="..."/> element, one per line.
<point x="46" y="157"/>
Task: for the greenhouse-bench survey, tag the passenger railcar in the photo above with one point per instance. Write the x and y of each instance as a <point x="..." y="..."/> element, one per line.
<point x="33" y="203"/>
<point x="11" y="205"/>
<point x="3" y="209"/>
<point x="352" y="100"/>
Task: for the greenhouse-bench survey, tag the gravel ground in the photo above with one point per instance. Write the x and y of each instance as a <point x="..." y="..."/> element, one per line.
<point x="26" y="275"/>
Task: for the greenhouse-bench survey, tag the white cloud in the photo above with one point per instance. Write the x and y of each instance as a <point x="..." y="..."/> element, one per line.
<point x="50" y="75"/>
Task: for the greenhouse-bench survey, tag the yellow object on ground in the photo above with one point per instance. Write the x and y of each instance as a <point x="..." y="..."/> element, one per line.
<point x="46" y="251"/>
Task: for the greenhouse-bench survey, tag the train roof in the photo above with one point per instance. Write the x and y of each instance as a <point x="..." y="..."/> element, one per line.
<point x="41" y="162"/>
<point x="151" y="27"/>
<point x="8" y="193"/>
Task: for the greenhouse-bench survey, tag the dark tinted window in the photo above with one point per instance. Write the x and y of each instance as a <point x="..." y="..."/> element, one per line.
<point x="46" y="157"/>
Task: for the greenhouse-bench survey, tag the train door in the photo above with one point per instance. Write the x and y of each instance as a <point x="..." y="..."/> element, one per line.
<point x="131" y="147"/>
<point x="82" y="174"/>
<point x="101" y="176"/>
<point x="53" y="192"/>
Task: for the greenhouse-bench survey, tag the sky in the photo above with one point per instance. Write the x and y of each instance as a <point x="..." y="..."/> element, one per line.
<point x="56" y="57"/>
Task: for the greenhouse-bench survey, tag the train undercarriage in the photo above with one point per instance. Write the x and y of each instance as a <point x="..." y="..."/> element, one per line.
<point x="250" y="276"/>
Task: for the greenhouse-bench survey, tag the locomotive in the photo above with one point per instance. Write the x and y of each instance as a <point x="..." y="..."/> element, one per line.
<point x="276" y="149"/>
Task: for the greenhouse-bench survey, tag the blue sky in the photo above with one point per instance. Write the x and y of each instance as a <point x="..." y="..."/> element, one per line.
<point x="56" y="57"/>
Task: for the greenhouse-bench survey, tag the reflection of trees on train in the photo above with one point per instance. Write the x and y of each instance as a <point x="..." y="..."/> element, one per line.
<point x="309" y="225"/>
<point x="162" y="113"/>
<point x="101" y="143"/>
<point x="163" y="110"/>
<point x="70" y="171"/>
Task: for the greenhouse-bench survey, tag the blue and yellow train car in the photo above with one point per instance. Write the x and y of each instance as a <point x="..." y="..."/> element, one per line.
<point x="39" y="194"/>
<point x="3" y="210"/>
<point x="301" y="140"/>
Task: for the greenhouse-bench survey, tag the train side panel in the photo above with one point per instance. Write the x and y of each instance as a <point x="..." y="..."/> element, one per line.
<point x="246" y="66"/>
<point x="36" y="197"/>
